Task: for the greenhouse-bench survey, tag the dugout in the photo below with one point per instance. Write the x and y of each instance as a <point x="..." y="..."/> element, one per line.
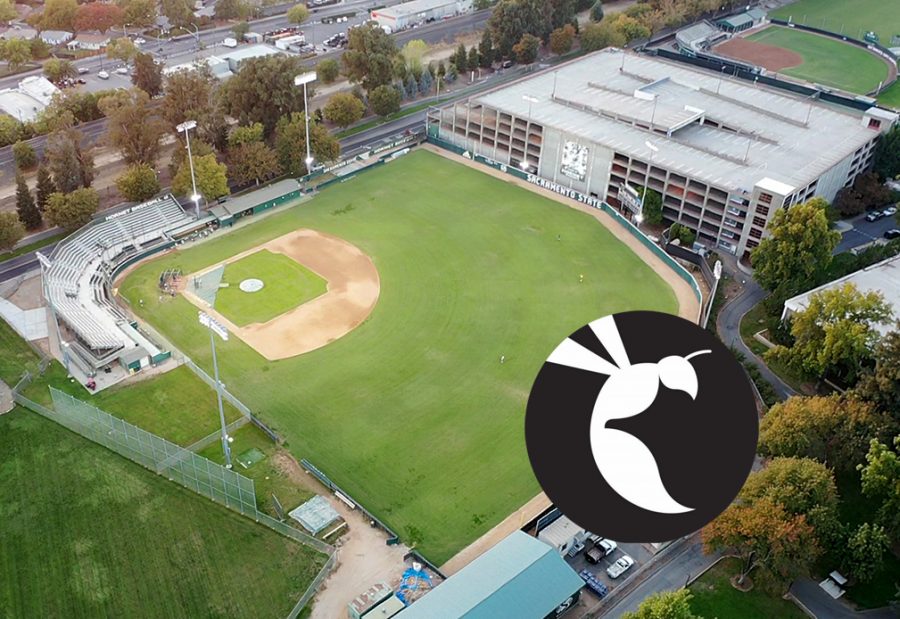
<point x="256" y="201"/>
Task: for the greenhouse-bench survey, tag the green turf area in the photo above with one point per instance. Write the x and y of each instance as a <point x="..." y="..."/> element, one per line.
<point x="827" y="61"/>
<point x="287" y="284"/>
<point x="891" y="96"/>
<point x="87" y="533"/>
<point x="411" y="412"/>
<point x="715" y="597"/>
<point x="16" y="357"/>
<point x="853" y="19"/>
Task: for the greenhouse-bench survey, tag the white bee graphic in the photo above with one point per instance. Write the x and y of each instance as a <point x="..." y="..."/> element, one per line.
<point x="625" y="462"/>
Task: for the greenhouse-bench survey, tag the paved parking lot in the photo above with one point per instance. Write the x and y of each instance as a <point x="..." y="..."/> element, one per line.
<point x="641" y="553"/>
<point x="865" y="232"/>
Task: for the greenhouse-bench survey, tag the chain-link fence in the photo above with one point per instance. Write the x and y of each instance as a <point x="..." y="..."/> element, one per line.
<point x="314" y="586"/>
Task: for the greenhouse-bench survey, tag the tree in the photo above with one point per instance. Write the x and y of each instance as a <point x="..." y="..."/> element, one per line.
<point x="652" y="207"/>
<point x="880" y="385"/>
<point x="70" y="165"/>
<point x="98" y="16"/>
<point x="15" y="52"/>
<point x="561" y="39"/>
<point x="291" y="132"/>
<point x="23" y="154"/>
<point x="887" y="154"/>
<point x="7" y="11"/>
<point x="881" y="481"/>
<point x="139" y="13"/>
<point x="867" y="192"/>
<point x="253" y="162"/>
<point x="835" y="334"/>
<point x="411" y="86"/>
<point x="263" y="91"/>
<point x="384" y="100"/>
<point x="460" y="57"/>
<point x="474" y="60"/>
<point x="231" y="9"/>
<point x="526" y="50"/>
<point x="665" y="605"/>
<point x="210" y="175"/>
<point x="298" y="14"/>
<point x="246" y="134"/>
<point x="44" y="187"/>
<point x="138" y="183"/>
<point x="57" y="70"/>
<point x="187" y="93"/>
<point x="834" y="430"/>
<point x="10" y="130"/>
<point x="240" y="30"/>
<point x="866" y="549"/>
<point x="147" y="74"/>
<point x="682" y="233"/>
<point x="369" y="57"/>
<point x="328" y="70"/>
<point x="797" y="252"/>
<point x="343" y="109"/>
<point x="425" y="82"/>
<point x="764" y="536"/>
<point x="59" y="15"/>
<point x="597" y="11"/>
<point x="71" y="211"/>
<point x="630" y="27"/>
<point x="511" y="19"/>
<point x="122" y="49"/>
<point x="601" y="35"/>
<point x="135" y="128"/>
<point x="11" y="231"/>
<point x="486" y="50"/>
<point x="28" y="213"/>
<point x="179" y="12"/>
<point x="412" y="54"/>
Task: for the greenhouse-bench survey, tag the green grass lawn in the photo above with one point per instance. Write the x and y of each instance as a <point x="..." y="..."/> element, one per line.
<point x="411" y="412"/>
<point x="286" y="284"/>
<point x="853" y="19"/>
<point x="16" y="356"/>
<point x="87" y="533"/>
<point x="30" y="247"/>
<point x="891" y="96"/>
<point x="715" y="597"/>
<point x="827" y="61"/>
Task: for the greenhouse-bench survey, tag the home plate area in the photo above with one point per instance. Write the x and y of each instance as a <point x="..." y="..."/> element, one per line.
<point x="290" y="295"/>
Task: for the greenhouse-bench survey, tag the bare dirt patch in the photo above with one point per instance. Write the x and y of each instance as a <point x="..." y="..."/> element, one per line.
<point x="353" y="288"/>
<point x="768" y="56"/>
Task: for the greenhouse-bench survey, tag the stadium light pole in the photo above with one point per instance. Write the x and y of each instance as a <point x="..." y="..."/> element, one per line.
<point x="185" y="128"/>
<point x="302" y="80"/>
<point x="216" y="328"/>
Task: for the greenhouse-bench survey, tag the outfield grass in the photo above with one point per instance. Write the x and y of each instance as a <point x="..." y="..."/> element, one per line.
<point x="16" y="357"/>
<point x="715" y="597"/>
<point x="286" y="284"/>
<point x="891" y="96"/>
<point x="89" y="534"/>
<point x="853" y="19"/>
<point x="411" y="412"/>
<point x="827" y="61"/>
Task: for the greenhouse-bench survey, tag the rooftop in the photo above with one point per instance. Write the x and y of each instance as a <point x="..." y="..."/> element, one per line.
<point x="412" y="8"/>
<point x="241" y="203"/>
<point x="251" y="51"/>
<point x="519" y="577"/>
<point x="603" y="96"/>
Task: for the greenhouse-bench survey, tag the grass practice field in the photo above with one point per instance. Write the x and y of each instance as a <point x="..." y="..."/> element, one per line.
<point x="87" y="533"/>
<point x="850" y="17"/>
<point x="826" y="61"/>
<point x="287" y="284"/>
<point x="412" y="412"/>
<point x="891" y="96"/>
<point x="715" y="597"/>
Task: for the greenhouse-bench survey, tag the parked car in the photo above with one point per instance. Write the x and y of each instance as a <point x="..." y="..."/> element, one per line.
<point x="122" y="70"/>
<point x="873" y="216"/>
<point x="892" y="234"/>
<point x="889" y="211"/>
<point x="139" y="41"/>
<point x="103" y="75"/>
<point x="622" y="565"/>
<point x="83" y="70"/>
<point x="601" y="548"/>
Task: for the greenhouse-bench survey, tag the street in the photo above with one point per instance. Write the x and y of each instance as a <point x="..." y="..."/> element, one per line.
<point x="865" y="232"/>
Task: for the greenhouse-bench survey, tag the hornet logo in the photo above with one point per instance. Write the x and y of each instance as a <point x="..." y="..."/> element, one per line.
<point x="641" y="427"/>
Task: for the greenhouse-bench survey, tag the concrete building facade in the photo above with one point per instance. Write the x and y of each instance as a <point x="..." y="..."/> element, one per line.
<point x="401" y="16"/>
<point x="724" y="154"/>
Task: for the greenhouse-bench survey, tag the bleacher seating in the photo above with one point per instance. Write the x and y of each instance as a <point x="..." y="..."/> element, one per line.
<point x="76" y="280"/>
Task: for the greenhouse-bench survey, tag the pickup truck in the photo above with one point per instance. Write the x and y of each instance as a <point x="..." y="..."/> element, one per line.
<point x="601" y="548"/>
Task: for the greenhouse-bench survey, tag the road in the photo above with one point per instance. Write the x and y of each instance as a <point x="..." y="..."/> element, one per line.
<point x="865" y="232"/>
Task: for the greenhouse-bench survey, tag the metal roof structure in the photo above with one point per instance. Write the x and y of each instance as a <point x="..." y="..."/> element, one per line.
<point x="414" y="7"/>
<point x="239" y="204"/>
<point x="519" y="577"/>
<point x="559" y="532"/>
<point x="604" y="97"/>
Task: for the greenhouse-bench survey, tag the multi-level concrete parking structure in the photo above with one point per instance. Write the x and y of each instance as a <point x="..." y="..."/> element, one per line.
<point x="725" y="154"/>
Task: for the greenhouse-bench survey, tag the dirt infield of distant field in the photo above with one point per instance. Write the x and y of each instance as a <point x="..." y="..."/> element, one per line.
<point x="353" y="288"/>
<point x="768" y="56"/>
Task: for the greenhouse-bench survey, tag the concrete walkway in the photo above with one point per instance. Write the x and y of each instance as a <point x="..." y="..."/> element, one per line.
<point x="6" y="399"/>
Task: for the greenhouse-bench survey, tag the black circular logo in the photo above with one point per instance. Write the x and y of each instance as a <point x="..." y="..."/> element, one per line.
<point x="641" y="427"/>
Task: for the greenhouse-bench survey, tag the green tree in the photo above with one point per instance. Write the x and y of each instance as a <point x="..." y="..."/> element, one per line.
<point x="665" y="605"/>
<point x="343" y="109"/>
<point x="122" y="49"/>
<point x="683" y="234"/>
<point x="413" y="52"/>
<point x="797" y="252"/>
<point x="187" y="94"/>
<point x="887" y="154"/>
<point x="15" y="52"/>
<point x="231" y="9"/>
<point x="486" y="50"/>
<point x="425" y="82"/>
<point x="369" y="57"/>
<point x="630" y="27"/>
<point x="211" y="177"/>
<point x="867" y="191"/>
<point x="11" y="231"/>
<point x="561" y="39"/>
<point x="474" y="60"/>
<point x="24" y="156"/>
<point x="147" y="74"/>
<point x="297" y="14"/>
<point x="136" y="129"/>
<point x="70" y="165"/>
<point x="10" y="130"/>
<point x="246" y="134"/>
<point x="526" y="50"/>
<point x="835" y="335"/>
<point x="601" y="35"/>
<point x="28" y="213"/>
<point x="138" y="183"/>
<point x="253" y="162"/>
<point x="7" y="11"/>
<point x="880" y="384"/>
<point x="385" y="100"/>
<point x="511" y="19"/>
<point x="44" y="187"/>
<point x="58" y="69"/>
<point x="240" y="30"/>
<point x="834" y="430"/>
<point x="291" y="132"/>
<point x="460" y="58"/>
<point x="866" y="549"/>
<point x="881" y="481"/>
<point x="139" y="13"/>
<point x="652" y="207"/>
<point x="328" y="71"/>
<point x="263" y="91"/>
<point x="59" y="15"/>
<point x="71" y="211"/>
<point x="597" y="11"/>
<point x="179" y="12"/>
